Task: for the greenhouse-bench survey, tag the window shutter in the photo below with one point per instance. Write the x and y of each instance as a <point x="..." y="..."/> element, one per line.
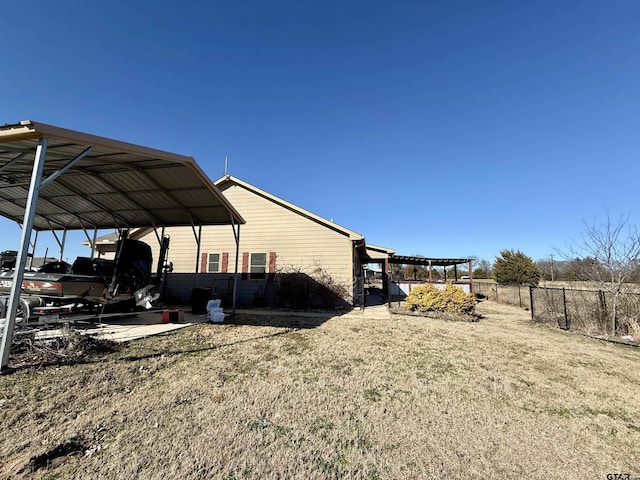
<point x="272" y="265"/>
<point x="224" y="267"/>
<point x="245" y="265"/>
<point x="203" y="263"/>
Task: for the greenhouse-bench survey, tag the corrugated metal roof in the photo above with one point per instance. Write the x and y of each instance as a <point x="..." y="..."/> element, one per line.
<point x="117" y="184"/>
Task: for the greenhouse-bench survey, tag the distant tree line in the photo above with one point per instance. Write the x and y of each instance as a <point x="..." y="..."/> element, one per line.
<point x="608" y="255"/>
<point x="513" y="267"/>
<point x="578" y="270"/>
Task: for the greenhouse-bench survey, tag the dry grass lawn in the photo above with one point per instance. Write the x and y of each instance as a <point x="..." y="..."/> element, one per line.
<point x="350" y="398"/>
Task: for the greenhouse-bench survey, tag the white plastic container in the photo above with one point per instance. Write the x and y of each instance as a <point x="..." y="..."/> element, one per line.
<point x="211" y="304"/>
<point x="214" y="312"/>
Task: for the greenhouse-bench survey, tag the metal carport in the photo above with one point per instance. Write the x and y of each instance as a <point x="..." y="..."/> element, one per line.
<point x="53" y="179"/>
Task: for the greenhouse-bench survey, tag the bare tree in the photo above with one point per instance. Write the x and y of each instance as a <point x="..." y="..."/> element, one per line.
<point x="482" y="269"/>
<point x="608" y="253"/>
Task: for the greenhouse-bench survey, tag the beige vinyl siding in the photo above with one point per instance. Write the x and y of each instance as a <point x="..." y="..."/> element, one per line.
<point x="297" y="241"/>
<point x="376" y="254"/>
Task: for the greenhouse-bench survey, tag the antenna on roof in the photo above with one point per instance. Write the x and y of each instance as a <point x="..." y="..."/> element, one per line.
<point x="226" y="166"/>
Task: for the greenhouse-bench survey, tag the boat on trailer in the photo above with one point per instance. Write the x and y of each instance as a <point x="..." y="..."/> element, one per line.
<point x="89" y="286"/>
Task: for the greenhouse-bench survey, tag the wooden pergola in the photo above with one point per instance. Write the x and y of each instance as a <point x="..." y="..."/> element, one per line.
<point x="434" y="262"/>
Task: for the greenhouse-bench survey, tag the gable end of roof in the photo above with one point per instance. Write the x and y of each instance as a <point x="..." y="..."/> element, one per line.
<point x="224" y="182"/>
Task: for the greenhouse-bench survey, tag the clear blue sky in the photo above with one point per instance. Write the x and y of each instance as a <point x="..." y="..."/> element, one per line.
<point x="440" y="128"/>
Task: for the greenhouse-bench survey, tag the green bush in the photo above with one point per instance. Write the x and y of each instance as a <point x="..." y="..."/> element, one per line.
<point x="450" y="299"/>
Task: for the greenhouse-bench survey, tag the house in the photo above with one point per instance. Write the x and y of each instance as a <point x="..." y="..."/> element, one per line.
<point x="285" y="255"/>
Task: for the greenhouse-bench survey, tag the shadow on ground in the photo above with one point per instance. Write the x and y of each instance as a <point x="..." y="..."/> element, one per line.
<point x="374" y="296"/>
<point x="285" y="319"/>
<point x="60" y="351"/>
<point x="32" y="359"/>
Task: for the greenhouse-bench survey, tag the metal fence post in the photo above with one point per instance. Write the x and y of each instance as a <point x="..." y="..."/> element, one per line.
<point x="531" y="300"/>
<point x="564" y="302"/>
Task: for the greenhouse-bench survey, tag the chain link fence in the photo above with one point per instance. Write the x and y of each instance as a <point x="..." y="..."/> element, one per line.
<point x="587" y="311"/>
<point x="584" y="311"/>
<point x="509" y="294"/>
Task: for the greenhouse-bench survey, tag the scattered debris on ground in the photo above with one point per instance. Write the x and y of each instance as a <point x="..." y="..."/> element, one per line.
<point x="70" y="347"/>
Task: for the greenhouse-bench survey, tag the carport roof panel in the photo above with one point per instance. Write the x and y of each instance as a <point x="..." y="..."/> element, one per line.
<point x="117" y="184"/>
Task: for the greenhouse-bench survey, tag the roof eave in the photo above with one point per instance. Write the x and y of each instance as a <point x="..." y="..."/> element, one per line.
<point x="290" y="206"/>
<point x="29" y="130"/>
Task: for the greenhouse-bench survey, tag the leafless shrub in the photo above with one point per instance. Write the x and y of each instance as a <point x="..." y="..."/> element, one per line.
<point x="609" y="254"/>
<point x="300" y="287"/>
<point x="69" y="347"/>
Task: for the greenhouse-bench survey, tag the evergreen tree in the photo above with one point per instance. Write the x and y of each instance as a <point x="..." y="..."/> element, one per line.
<point x="515" y="268"/>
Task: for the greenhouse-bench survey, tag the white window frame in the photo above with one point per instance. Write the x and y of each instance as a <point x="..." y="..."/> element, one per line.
<point x="259" y="275"/>
<point x="219" y="262"/>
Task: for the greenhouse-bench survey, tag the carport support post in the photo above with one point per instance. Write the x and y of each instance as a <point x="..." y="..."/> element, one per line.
<point x="33" y="247"/>
<point x="93" y="243"/>
<point x="62" y="244"/>
<point x="59" y="242"/>
<point x="236" y="235"/>
<point x="25" y="237"/>
<point x="198" y="242"/>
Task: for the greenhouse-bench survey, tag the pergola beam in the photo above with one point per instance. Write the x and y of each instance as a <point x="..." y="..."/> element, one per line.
<point x="425" y="261"/>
